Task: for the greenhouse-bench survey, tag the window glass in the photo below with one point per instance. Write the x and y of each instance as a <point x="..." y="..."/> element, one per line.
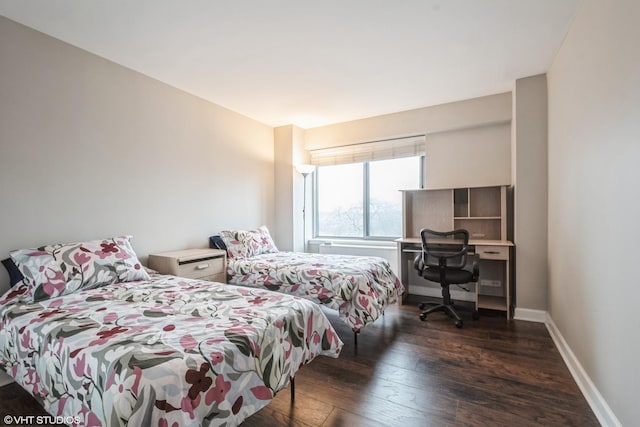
<point x="343" y="190"/>
<point x="386" y="178"/>
<point x="340" y="200"/>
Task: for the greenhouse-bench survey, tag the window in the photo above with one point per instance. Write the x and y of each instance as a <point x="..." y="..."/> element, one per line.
<point x="340" y="200"/>
<point x="362" y="199"/>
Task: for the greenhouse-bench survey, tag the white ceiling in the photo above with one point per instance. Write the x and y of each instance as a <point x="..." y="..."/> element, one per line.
<point x="313" y="63"/>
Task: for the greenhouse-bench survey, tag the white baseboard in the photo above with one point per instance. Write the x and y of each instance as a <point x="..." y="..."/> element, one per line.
<point x="530" y="315"/>
<point x="600" y="408"/>
<point x="598" y="405"/>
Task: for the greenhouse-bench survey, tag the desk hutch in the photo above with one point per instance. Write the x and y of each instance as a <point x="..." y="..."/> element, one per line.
<point x="483" y="212"/>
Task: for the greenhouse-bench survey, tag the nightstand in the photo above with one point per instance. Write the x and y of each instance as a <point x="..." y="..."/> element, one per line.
<point x="202" y="264"/>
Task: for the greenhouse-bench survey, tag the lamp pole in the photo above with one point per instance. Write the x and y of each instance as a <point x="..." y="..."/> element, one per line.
<point x="304" y="212"/>
<point x="304" y="170"/>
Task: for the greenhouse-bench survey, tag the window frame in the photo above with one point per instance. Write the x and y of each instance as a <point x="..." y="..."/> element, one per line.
<point x="365" y="210"/>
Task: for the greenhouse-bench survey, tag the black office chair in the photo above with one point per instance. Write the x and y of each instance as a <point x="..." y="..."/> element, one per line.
<point x="445" y="259"/>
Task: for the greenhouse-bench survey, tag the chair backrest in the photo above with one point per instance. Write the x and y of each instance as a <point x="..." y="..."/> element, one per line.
<point x="444" y="248"/>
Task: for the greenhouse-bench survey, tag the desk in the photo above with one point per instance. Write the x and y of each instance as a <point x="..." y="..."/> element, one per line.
<point x="493" y="290"/>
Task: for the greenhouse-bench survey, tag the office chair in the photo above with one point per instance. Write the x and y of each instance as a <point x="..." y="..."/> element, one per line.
<point x="445" y="259"/>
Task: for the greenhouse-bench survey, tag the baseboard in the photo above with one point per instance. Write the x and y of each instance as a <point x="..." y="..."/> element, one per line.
<point x="598" y="405"/>
<point x="530" y="315"/>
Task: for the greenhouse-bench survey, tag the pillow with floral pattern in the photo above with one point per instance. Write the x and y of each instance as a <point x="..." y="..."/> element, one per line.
<point x="245" y="244"/>
<point x="260" y="241"/>
<point x="54" y="270"/>
<point x="234" y="241"/>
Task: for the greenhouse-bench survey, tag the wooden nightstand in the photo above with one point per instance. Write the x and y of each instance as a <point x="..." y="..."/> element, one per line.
<point x="202" y="264"/>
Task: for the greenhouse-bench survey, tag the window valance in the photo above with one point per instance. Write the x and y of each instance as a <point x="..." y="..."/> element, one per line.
<point x="368" y="151"/>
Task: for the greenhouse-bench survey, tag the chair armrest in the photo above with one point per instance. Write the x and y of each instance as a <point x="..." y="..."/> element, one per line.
<point x="475" y="266"/>
<point x="418" y="263"/>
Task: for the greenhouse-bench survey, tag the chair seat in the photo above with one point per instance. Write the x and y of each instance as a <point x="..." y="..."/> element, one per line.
<point x="445" y="259"/>
<point x="454" y="276"/>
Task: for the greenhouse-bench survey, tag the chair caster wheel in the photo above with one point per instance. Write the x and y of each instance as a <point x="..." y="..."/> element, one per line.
<point x="422" y="306"/>
<point x="459" y="324"/>
<point x="423" y="316"/>
<point x="475" y="315"/>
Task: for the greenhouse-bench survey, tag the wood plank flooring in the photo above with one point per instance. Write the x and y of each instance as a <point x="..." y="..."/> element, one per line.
<point x="411" y="373"/>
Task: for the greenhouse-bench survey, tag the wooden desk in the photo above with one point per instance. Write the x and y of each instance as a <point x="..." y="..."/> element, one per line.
<point x="493" y="290"/>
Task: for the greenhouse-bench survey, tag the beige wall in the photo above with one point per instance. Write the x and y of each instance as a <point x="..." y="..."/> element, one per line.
<point x="283" y="235"/>
<point x="289" y="152"/>
<point x="89" y="149"/>
<point x="474" y="133"/>
<point x="478" y="156"/>
<point x="439" y="118"/>
<point x="302" y="224"/>
<point x="530" y="195"/>
<point x="594" y="203"/>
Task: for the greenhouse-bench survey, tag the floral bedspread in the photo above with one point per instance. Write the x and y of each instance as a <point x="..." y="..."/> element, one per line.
<point x="359" y="287"/>
<point x="165" y="352"/>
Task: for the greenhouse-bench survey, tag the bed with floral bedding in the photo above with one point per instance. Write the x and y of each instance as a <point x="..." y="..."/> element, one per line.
<point x="358" y="287"/>
<point x="99" y="341"/>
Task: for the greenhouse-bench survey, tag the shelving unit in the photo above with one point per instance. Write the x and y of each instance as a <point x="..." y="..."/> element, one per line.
<point x="480" y="210"/>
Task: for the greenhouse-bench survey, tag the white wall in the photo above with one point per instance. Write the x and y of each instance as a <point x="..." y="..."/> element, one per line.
<point x="89" y="149"/>
<point x="594" y="203"/>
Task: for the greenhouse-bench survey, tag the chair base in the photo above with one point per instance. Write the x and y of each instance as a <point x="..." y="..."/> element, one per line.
<point x="448" y="309"/>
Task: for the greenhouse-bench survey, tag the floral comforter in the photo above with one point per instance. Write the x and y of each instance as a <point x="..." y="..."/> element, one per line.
<point x="359" y="287"/>
<point x="164" y="352"/>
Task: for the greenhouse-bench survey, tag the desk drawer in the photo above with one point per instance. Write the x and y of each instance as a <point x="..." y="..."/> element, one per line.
<point x="202" y="268"/>
<point x="493" y="252"/>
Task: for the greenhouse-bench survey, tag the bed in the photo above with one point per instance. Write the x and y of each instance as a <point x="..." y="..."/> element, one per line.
<point x="149" y="349"/>
<point x="358" y="287"/>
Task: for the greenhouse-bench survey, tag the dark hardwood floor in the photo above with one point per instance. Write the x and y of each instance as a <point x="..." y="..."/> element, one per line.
<point x="411" y="373"/>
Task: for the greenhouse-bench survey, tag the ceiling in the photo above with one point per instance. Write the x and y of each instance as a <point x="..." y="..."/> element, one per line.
<point x="313" y="63"/>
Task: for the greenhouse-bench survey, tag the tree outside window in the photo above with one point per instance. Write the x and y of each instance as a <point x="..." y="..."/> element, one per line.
<point x="363" y="199"/>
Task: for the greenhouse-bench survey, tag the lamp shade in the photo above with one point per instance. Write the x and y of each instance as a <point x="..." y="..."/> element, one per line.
<point x="305" y="169"/>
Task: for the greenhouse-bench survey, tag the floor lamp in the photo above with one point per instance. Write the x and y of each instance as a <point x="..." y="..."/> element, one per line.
<point x="304" y="170"/>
